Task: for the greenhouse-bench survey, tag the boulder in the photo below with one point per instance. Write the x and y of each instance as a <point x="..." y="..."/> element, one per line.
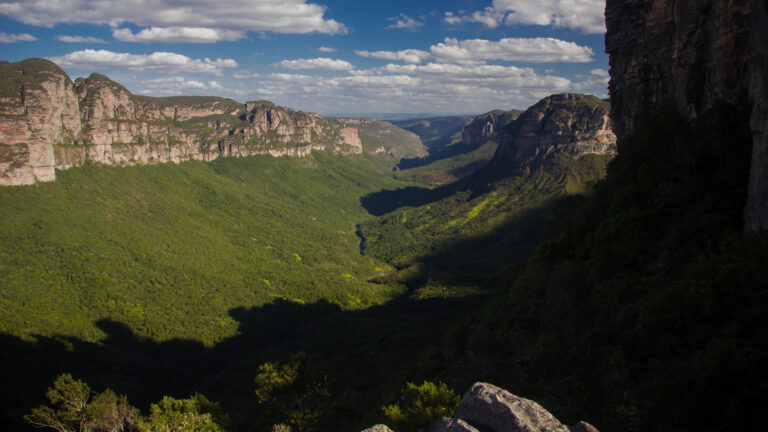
<point x="490" y="408"/>
<point x="446" y="424"/>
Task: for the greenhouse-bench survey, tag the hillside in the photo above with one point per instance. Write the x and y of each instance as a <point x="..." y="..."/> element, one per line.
<point x="124" y="243"/>
<point x="501" y="210"/>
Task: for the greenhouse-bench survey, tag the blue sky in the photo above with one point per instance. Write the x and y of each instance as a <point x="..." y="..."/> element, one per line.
<point x="343" y="57"/>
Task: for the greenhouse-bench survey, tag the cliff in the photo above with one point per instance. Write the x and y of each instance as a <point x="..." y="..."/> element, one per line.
<point x="570" y="124"/>
<point x="47" y="122"/>
<point x="487" y="127"/>
<point x="692" y="54"/>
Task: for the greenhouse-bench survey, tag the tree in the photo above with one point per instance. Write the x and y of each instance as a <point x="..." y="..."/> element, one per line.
<point x="195" y="414"/>
<point x="71" y="410"/>
<point x="297" y="392"/>
<point x="421" y="405"/>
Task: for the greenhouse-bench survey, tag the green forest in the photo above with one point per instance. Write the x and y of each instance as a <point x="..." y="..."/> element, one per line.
<point x="229" y="293"/>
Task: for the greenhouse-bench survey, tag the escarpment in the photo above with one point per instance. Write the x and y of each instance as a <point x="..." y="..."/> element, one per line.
<point x="47" y="122"/>
<point x="692" y="54"/>
<point x="570" y="124"/>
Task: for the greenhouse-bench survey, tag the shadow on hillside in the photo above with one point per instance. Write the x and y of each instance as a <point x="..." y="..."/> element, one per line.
<point x="442" y="150"/>
<point x="368" y="354"/>
<point x="478" y="183"/>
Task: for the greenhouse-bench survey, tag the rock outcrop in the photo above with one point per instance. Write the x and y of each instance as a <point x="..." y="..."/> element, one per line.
<point x="487" y="408"/>
<point x="47" y="122"/>
<point x="487" y="127"/>
<point x="691" y="54"/>
<point x="571" y="124"/>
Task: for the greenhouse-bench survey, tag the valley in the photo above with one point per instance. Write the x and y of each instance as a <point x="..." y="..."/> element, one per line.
<point x="287" y="271"/>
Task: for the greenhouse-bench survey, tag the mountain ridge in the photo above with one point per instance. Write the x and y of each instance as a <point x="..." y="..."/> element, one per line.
<point x="49" y="122"/>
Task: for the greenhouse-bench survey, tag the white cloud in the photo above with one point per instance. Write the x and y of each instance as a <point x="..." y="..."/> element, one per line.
<point x="326" y="49"/>
<point x="600" y="72"/>
<point x="411" y="56"/>
<point x="13" y="38"/>
<point x="164" y="62"/>
<point x="177" y="85"/>
<point x="586" y="16"/>
<point x="80" y="39"/>
<point x="432" y="87"/>
<point x="320" y="63"/>
<point x="276" y="16"/>
<point x="404" y="22"/>
<point x="536" y="50"/>
<point x="244" y="74"/>
<point x="177" y="35"/>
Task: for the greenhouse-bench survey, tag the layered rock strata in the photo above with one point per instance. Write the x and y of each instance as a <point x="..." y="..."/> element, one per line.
<point x="570" y="124"/>
<point x="691" y="54"/>
<point x="47" y="122"/>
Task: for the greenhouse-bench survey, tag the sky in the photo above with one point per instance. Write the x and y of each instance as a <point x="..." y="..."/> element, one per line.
<point x="333" y="57"/>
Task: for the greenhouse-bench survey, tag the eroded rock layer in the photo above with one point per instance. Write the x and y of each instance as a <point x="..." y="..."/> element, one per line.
<point x="570" y="124"/>
<point x="47" y="122"/>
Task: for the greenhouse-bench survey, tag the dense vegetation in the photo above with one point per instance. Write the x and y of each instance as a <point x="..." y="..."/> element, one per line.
<point x="646" y="308"/>
<point x="170" y="249"/>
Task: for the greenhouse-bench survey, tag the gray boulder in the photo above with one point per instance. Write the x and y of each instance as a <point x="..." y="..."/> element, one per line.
<point x="493" y="409"/>
<point x="446" y="424"/>
<point x="378" y="428"/>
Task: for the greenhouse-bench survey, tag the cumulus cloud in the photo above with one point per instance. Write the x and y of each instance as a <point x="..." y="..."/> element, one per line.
<point x="18" y="37"/>
<point x="177" y="35"/>
<point x="586" y="16"/>
<point x="320" y="63"/>
<point x="432" y="87"/>
<point x="411" y="56"/>
<point x="326" y="49"/>
<point x="244" y="74"/>
<point x="80" y="39"/>
<point x="177" y="85"/>
<point x="535" y="50"/>
<point x="164" y="62"/>
<point x="276" y="16"/>
<point x="404" y="22"/>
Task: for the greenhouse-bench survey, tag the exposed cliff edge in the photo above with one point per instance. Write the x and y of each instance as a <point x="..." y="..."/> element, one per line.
<point x="47" y="122"/>
<point x="487" y="127"/>
<point x="571" y="124"/>
<point x="692" y="54"/>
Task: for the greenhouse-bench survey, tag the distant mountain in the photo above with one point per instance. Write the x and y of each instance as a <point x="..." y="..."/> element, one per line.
<point x="559" y="146"/>
<point x="434" y="131"/>
<point x="47" y="122"/>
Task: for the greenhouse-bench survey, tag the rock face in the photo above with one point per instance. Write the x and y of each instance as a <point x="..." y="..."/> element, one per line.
<point x="47" y="122"/>
<point x="487" y="408"/>
<point x="570" y="124"/>
<point x="691" y="54"/>
<point x="491" y="408"/>
<point x="487" y="127"/>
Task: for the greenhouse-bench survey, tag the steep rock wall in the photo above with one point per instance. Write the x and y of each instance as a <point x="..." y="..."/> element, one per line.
<point x="691" y="53"/>
<point x="47" y="122"/>
<point x="571" y="124"/>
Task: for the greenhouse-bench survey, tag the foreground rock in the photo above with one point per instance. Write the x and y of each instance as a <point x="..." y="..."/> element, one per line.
<point x="487" y="408"/>
<point x="490" y="408"/>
